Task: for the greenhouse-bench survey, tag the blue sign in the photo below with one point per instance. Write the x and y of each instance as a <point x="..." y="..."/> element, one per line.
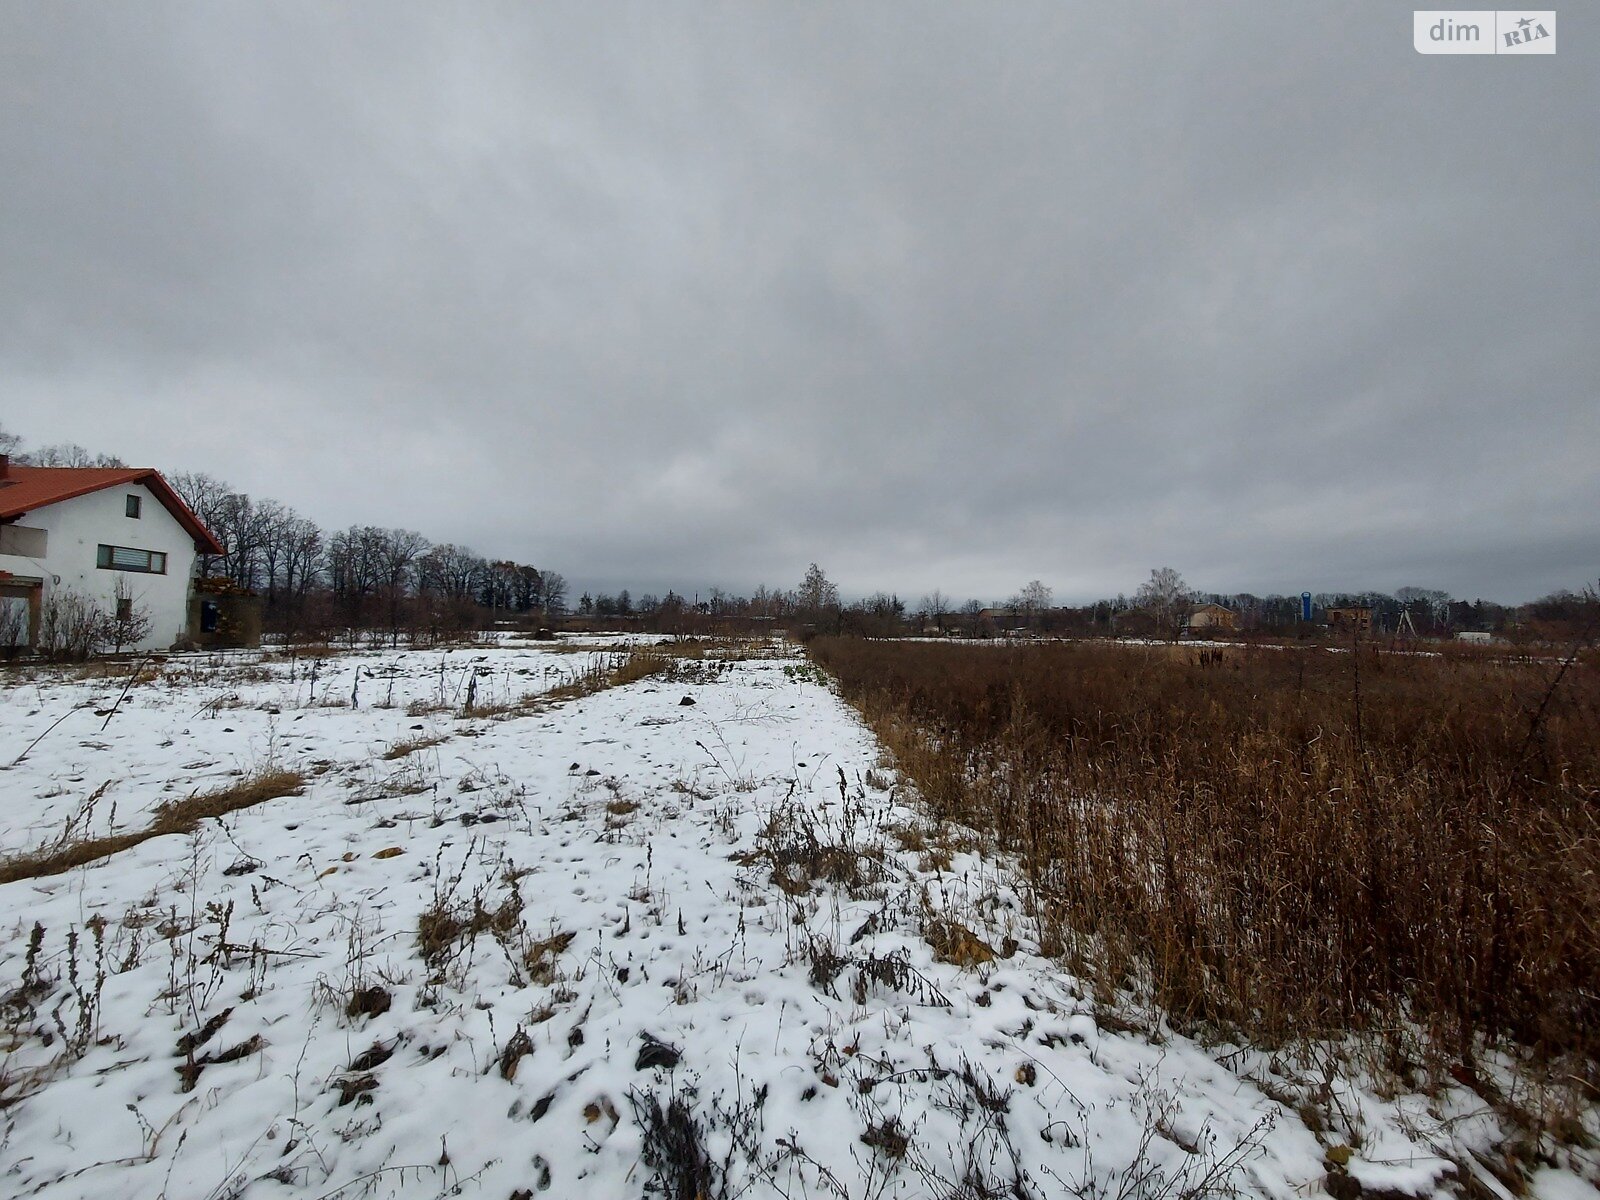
<point x="1305" y="606"/>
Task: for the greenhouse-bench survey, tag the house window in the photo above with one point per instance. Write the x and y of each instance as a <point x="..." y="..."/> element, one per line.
<point x="133" y="506"/>
<point x="124" y="608"/>
<point x="124" y="558"/>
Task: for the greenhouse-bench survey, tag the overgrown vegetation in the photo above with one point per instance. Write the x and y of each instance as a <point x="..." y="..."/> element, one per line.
<point x="614" y="670"/>
<point x="1284" y="843"/>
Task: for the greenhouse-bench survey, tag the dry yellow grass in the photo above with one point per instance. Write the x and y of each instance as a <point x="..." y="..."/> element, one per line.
<point x="407" y="746"/>
<point x="1283" y="842"/>
<point x="178" y="816"/>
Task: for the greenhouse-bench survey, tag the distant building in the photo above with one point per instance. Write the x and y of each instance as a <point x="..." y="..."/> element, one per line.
<point x="1004" y="617"/>
<point x="223" y="616"/>
<point x="85" y="529"/>
<point x="1355" y="618"/>
<point x="1214" y="617"/>
<point x="1009" y="622"/>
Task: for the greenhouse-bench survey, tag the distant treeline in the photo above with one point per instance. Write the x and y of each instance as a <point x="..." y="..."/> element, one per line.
<point x="316" y="581"/>
<point x="363" y="577"/>
<point x="1431" y="613"/>
<point x="1159" y="608"/>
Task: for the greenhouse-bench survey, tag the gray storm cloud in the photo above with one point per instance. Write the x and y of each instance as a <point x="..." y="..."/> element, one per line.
<point x="938" y="295"/>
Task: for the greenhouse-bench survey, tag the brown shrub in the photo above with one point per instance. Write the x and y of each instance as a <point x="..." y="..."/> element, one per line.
<point x="448" y="926"/>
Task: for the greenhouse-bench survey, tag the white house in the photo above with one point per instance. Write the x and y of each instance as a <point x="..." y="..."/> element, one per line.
<point x="85" y="530"/>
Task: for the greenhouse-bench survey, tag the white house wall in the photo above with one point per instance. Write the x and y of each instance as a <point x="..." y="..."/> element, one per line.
<point x="77" y="528"/>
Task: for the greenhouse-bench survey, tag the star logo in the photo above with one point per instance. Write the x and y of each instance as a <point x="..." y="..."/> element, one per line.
<point x="1525" y="22"/>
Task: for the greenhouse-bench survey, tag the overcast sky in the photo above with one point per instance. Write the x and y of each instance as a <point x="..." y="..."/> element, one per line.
<point x="937" y="295"/>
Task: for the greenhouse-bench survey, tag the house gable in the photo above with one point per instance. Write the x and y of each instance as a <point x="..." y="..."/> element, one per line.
<point x="25" y="490"/>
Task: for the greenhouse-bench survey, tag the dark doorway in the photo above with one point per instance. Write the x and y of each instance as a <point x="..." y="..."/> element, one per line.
<point x="19" y="616"/>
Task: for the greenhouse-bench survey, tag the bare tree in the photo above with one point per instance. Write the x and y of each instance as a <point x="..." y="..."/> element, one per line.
<point x="529" y="592"/>
<point x="817" y="597"/>
<point x="355" y="569"/>
<point x="276" y="521"/>
<point x="881" y="614"/>
<point x="205" y="495"/>
<point x="972" y="610"/>
<point x="397" y="550"/>
<point x="933" y="608"/>
<point x="70" y="454"/>
<point x="128" y="622"/>
<point x="500" y="585"/>
<point x="240" y="526"/>
<point x="1034" y="600"/>
<point x="555" y="593"/>
<point x="71" y="626"/>
<point x="10" y="443"/>
<point x="451" y="571"/>
<point x="302" y="557"/>
<point x="1167" y="599"/>
<point x="1429" y="607"/>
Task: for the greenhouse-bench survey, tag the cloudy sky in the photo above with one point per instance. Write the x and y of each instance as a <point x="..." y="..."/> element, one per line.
<point x="936" y="294"/>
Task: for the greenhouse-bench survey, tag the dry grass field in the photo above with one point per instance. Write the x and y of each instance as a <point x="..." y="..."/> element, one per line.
<point x="1286" y="843"/>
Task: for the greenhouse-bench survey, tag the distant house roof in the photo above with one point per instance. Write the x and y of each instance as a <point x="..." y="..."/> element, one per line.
<point x="24" y="489"/>
<point x="1213" y="610"/>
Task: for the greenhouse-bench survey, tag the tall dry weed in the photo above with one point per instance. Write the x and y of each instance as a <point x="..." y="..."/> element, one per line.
<point x="1285" y="842"/>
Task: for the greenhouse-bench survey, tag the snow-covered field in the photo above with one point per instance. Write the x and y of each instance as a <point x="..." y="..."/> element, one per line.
<point x="199" y="721"/>
<point x="685" y="936"/>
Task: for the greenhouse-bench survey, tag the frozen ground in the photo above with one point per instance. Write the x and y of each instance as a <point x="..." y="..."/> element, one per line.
<point x="197" y="721"/>
<point x="685" y="936"/>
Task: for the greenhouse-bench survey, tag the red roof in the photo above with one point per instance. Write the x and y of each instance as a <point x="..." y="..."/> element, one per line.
<point x="23" y="489"/>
